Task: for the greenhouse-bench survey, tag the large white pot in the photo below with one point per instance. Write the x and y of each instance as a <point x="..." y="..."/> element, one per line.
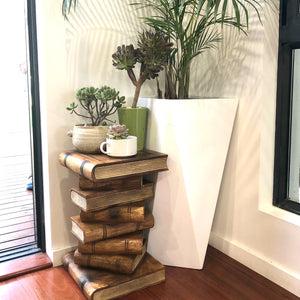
<point x="196" y="135"/>
<point x="87" y="139"/>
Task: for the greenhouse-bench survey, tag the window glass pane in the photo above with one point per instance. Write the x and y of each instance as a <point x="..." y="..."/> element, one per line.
<point x="295" y="130"/>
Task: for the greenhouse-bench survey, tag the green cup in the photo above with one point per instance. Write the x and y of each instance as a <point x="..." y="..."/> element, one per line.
<point x="135" y="120"/>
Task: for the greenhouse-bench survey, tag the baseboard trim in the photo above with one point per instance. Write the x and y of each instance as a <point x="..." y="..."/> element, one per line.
<point x="274" y="272"/>
<point x="56" y="255"/>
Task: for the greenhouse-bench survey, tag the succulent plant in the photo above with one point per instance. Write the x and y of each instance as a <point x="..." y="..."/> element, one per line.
<point x="155" y="49"/>
<point x="152" y="53"/>
<point x="125" y="57"/>
<point x="98" y="102"/>
<point x="117" y="132"/>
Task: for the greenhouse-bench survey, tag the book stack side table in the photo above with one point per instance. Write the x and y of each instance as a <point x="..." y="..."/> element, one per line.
<point x="111" y="259"/>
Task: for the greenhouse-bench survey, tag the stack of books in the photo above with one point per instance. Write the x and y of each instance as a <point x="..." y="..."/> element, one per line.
<point x="111" y="259"/>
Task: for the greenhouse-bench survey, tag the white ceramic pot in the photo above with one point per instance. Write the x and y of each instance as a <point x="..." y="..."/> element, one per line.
<point x="120" y="148"/>
<point x="196" y="135"/>
<point x="87" y="139"/>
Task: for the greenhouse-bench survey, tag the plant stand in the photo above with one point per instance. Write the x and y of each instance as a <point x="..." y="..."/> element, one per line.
<point x="113" y="194"/>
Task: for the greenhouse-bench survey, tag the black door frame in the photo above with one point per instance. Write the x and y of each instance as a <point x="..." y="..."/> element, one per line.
<point x="36" y="125"/>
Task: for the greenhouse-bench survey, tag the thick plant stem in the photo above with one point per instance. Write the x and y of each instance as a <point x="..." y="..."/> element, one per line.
<point x="159" y="92"/>
<point x="138" y="86"/>
<point x="136" y="94"/>
<point x="170" y="91"/>
<point x="183" y="84"/>
<point x="132" y="76"/>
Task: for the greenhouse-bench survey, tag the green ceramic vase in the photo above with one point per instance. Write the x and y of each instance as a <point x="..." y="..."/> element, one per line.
<point x="136" y="121"/>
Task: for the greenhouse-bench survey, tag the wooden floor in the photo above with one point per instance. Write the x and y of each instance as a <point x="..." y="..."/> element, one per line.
<point x="24" y="265"/>
<point x="16" y="203"/>
<point x="222" y="278"/>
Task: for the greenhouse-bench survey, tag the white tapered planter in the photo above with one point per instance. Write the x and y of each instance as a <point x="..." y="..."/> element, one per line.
<point x="196" y="135"/>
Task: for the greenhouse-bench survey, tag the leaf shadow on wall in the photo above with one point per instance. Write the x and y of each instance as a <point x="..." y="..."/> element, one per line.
<point x="92" y="36"/>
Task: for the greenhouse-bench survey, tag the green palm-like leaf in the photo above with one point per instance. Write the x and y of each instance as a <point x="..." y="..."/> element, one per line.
<point x="191" y="26"/>
<point x="237" y="5"/>
<point x="67" y="5"/>
<point x="183" y="5"/>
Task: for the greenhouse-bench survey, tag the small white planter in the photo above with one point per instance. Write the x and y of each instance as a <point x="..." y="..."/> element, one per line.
<point x="196" y="135"/>
<point x="87" y="139"/>
<point x="120" y="148"/>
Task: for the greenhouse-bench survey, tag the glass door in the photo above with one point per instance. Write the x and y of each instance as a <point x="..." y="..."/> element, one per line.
<point x="18" y="214"/>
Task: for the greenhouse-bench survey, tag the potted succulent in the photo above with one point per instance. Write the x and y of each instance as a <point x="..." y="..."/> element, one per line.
<point x="118" y="143"/>
<point x="95" y="105"/>
<point x="152" y="55"/>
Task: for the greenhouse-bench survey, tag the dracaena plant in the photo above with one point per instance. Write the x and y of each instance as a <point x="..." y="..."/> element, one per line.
<point x="192" y="29"/>
<point x="191" y="26"/>
<point x="152" y="54"/>
<point x="99" y="104"/>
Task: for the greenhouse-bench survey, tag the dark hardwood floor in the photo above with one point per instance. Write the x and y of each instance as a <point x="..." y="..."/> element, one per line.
<point x="24" y="265"/>
<point x="222" y="278"/>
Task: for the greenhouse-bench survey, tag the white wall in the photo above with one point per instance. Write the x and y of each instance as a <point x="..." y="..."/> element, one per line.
<point x="246" y="226"/>
<point x="73" y="55"/>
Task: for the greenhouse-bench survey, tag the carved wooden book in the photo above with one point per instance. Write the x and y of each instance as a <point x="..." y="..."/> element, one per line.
<point x="131" y="243"/>
<point x="98" y="200"/>
<point x="102" y="285"/>
<point x="125" y="264"/>
<point x="123" y="184"/>
<point x="89" y="232"/>
<point x="132" y="212"/>
<point x="101" y="167"/>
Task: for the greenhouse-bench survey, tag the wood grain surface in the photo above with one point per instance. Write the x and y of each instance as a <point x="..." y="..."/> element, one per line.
<point x="123" y="184"/>
<point x="131" y="243"/>
<point x="101" y="284"/>
<point x="98" y="200"/>
<point x="221" y="279"/>
<point x="120" y="263"/>
<point x="102" y="167"/>
<point x="89" y="232"/>
<point x="24" y="265"/>
<point x="132" y="212"/>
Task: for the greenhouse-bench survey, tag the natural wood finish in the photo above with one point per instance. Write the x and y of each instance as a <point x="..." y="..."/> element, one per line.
<point x="129" y="183"/>
<point x="134" y="167"/>
<point x="126" y="244"/>
<point x="16" y="221"/>
<point x="132" y="212"/>
<point x="221" y="279"/>
<point x="24" y="265"/>
<point x="15" y="227"/>
<point x="125" y="264"/>
<point x="19" y="242"/>
<point x="95" y="200"/>
<point x="110" y="218"/>
<point x="102" y="167"/>
<point x="49" y="284"/>
<point x="89" y="232"/>
<point x="100" y="284"/>
<point x="16" y="203"/>
<point x="17" y="235"/>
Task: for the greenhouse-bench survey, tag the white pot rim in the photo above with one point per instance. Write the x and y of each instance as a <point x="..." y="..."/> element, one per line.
<point x="89" y="126"/>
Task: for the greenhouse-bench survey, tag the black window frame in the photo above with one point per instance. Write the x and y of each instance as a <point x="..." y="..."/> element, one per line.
<point x="36" y="128"/>
<point x="289" y="40"/>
